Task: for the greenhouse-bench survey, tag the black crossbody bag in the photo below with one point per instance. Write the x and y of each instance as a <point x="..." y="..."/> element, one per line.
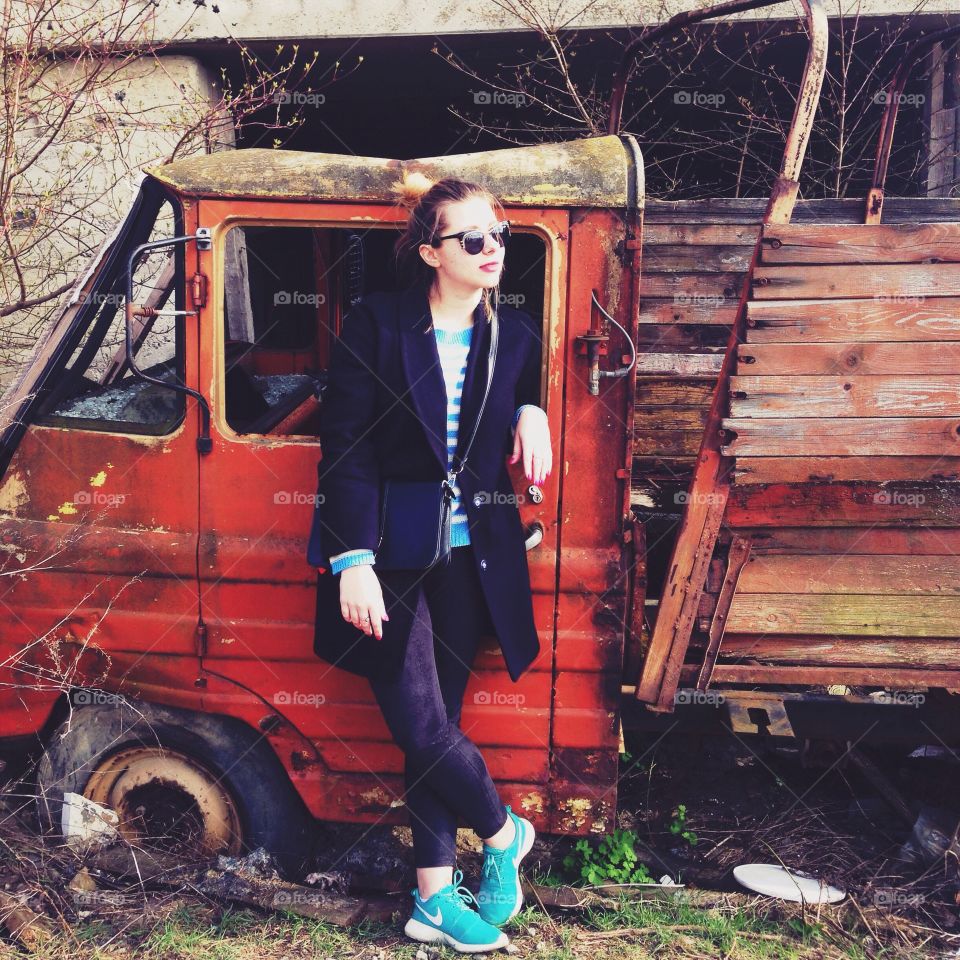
<point x="415" y="514"/>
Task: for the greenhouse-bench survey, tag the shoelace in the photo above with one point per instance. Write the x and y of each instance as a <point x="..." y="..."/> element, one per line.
<point x="456" y="894"/>
<point x="463" y="893"/>
<point x="491" y="862"/>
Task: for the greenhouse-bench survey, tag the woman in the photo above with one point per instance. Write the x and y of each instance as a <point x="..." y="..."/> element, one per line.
<point x="404" y="368"/>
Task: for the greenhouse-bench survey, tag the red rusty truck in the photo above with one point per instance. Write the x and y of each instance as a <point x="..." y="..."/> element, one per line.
<point x="755" y="523"/>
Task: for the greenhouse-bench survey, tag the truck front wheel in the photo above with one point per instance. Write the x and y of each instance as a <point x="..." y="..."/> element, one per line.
<point x="189" y="784"/>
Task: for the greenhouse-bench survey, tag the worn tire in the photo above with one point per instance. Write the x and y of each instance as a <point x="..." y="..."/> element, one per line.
<point x="246" y="771"/>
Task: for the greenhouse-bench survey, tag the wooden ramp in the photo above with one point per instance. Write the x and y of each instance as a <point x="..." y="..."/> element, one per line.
<point x="844" y="427"/>
<point x="836" y="561"/>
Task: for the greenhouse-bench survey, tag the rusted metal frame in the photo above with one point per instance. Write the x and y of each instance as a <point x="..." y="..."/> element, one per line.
<point x="874" y="206"/>
<point x="736" y="559"/>
<point x="775" y="722"/>
<point x="637" y="564"/>
<point x="636" y="597"/>
<point x="651" y="33"/>
<point x="710" y="485"/>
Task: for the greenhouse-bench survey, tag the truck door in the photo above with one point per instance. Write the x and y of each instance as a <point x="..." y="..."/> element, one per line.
<point x="282" y="276"/>
<point x="99" y="497"/>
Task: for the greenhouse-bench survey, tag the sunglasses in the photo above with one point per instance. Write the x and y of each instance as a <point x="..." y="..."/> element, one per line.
<point x="473" y="241"/>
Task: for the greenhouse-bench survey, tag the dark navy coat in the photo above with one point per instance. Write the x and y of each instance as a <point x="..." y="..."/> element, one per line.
<point x="385" y="415"/>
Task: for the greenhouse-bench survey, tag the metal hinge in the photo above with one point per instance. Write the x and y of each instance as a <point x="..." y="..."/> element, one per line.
<point x="627" y="250"/>
<point x="201" y="635"/>
<point x="199" y="290"/>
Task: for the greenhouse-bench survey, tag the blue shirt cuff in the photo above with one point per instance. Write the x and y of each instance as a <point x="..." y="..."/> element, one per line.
<point x="352" y="558"/>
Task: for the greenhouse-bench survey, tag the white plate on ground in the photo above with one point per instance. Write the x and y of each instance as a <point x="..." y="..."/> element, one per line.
<point x="775" y="881"/>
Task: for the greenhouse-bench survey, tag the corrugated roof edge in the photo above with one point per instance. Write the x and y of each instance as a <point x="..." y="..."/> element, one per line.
<point x="591" y="172"/>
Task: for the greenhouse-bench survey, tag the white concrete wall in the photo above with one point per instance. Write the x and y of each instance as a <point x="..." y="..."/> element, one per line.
<point x="313" y="19"/>
<point x="81" y="185"/>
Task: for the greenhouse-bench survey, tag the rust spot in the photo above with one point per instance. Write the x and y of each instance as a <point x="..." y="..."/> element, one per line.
<point x="577" y="809"/>
<point x="376" y="798"/>
<point x="532" y="801"/>
<point x="13" y="494"/>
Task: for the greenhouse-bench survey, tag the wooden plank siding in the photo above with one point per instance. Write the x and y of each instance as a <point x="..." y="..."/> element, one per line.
<point x="806" y="388"/>
<point x="843" y="426"/>
<point x="695" y="255"/>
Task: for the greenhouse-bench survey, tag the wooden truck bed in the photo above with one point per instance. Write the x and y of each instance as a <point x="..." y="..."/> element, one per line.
<point x="841" y="536"/>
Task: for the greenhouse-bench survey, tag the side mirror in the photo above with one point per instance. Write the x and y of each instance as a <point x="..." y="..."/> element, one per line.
<point x="204" y="242"/>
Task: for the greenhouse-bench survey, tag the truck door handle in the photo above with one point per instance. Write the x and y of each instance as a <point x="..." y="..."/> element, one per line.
<point x="533" y="534"/>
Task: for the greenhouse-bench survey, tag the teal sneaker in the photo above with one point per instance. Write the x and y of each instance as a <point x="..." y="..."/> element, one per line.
<point x="500" y="896"/>
<point x="446" y="917"/>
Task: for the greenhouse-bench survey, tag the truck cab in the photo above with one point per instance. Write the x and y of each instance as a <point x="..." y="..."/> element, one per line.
<point x="159" y="477"/>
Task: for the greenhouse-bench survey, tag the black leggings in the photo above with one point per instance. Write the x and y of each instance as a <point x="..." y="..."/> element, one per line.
<point x="444" y="773"/>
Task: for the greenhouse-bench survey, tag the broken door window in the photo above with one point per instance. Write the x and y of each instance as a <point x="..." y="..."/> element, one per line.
<point x="96" y="389"/>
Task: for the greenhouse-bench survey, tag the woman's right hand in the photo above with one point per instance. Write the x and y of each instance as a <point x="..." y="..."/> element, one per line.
<point x="360" y="597"/>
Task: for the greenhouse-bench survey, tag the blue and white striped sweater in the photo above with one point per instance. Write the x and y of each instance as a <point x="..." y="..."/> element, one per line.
<point x="453" y="347"/>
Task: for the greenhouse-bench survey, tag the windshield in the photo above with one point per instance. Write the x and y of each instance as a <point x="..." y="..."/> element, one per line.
<point x="77" y="375"/>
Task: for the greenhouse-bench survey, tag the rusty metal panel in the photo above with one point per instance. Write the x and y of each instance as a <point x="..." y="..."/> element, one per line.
<point x="102" y="531"/>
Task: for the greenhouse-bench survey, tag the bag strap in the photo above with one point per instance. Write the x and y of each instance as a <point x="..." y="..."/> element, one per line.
<point x="491" y="360"/>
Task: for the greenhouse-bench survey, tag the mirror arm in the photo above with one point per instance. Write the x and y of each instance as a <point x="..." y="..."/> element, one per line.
<point x="202" y="236"/>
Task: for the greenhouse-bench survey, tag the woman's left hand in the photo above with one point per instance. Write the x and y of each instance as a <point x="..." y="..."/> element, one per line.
<point x="532" y="441"/>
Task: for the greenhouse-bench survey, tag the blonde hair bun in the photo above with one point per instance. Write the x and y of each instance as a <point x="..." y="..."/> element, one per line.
<point x="412" y="187"/>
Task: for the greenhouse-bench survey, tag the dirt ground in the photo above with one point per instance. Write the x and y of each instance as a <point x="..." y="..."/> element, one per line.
<point x="744" y="802"/>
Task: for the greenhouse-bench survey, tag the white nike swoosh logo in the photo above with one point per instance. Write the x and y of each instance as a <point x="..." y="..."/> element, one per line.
<point x="438" y="919"/>
<point x="519" y="856"/>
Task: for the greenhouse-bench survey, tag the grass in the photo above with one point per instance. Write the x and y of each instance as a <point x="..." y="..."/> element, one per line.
<point x="675" y="929"/>
<point x="181" y="926"/>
